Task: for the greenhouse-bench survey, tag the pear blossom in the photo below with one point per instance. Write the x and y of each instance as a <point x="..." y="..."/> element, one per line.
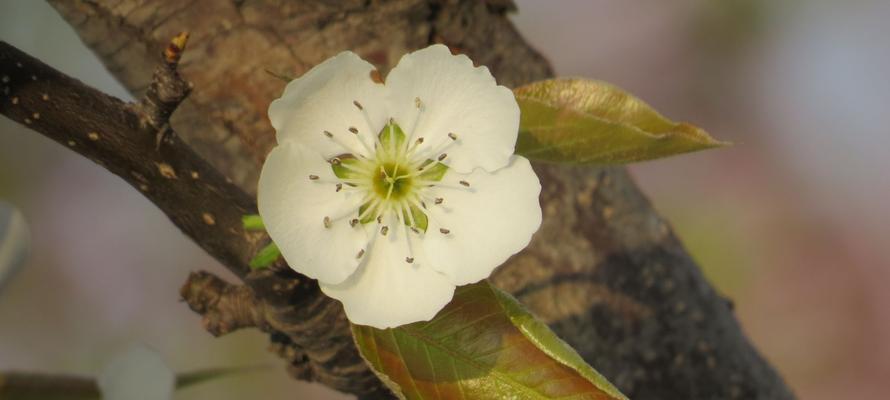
<point x="392" y="194"/>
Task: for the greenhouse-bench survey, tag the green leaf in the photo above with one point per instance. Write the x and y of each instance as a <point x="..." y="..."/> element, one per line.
<point x="253" y="222"/>
<point x="482" y="345"/>
<point x="590" y="122"/>
<point x="265" y="257"/>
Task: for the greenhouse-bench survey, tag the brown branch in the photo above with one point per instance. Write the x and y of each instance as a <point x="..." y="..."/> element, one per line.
<point x="201" y="202"/>
<point x="33" y="386"/>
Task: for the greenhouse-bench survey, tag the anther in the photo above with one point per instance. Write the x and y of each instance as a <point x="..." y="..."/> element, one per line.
<point x="353" y="130"/>
<point x="442" y="157"/>
<point x="339" y="187"/>
<point x="465" y="183"/>
<point x="439" y="200"/>
<point x="313" y="177"/>
<point x="384" y="230"/>
<point x="357" y="105"/>
<point x="417" y="102"/>
<point x="415" y="230"/>
<point x="335" y="161"/>
<point x="360" y="253"/>
<point x="328" y="134"/>
<point x="423" y="204"/>
<point x="380" y="219"/>
<point x="353" y="222"/>
<point x="452" y="135"/>
<point x="444" y="231"/>
<point x="409" y="260"/>
<point x="419" y="140"/>
<point x="327" y="222"/>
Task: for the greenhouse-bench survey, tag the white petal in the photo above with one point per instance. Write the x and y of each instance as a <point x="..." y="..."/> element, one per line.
<point x="488" y="222"/>
<point x="138" y="373"/>
<point x="322" y="100"/>
<point x="293" y="208"/>
<point x="387" y="291"/>
<point x="15" y="241"/>
<point x="458" y="98"/>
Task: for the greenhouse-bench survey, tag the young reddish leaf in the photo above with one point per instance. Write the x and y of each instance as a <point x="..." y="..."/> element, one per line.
<point x="590" y="122"/>
<point x="482" y="345"/>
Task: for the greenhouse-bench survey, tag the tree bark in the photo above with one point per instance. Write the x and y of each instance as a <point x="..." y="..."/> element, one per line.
<point x="605" y="271"/>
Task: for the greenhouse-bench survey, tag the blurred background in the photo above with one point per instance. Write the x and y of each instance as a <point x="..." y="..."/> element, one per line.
<point x="792" y="222"/>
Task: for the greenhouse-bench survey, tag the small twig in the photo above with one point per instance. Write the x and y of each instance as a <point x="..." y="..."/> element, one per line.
<point x="224" y="307"/>
<point x="167" y="90"/>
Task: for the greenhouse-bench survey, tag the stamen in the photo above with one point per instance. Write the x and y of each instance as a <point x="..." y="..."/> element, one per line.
<point x="384" y="230"/>
<point x="439" y="200"/>
<point x="360" y="254"/>
<point x="339" y="187"/>
<point x="444" y="231"/>
<point x="442" y="157"/>
<point x="353" y="222"/>
<point x="349" y="149"/>
<point x="313" y="177"/>
<point x="409" y="260"/>
<point x="353" y="130"/>
<point x="465" y="183"/>
<point x="452" y="135"/>
<point x="357" y="105"/>
<point x="371" y="209"/>
<point x="420" y="108"/>
<point x="380" y="219"/>
<point x="335" y="161"/>
<point x="327" y="222"/>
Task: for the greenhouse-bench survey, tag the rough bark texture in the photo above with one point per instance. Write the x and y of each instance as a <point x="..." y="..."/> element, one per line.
<point x="604" y="270"/>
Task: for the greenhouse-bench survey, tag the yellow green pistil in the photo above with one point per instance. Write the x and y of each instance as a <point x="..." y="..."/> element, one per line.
<point x="393" y="180"/>
<point x="392" y="173"/>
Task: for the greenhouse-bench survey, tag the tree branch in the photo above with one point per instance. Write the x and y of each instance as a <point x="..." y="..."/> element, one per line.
<point x="200" y="201"/>
<point x="36" y="386"/>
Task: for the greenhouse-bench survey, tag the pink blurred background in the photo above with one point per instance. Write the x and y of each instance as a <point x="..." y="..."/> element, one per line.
<point x="792" y="222"/>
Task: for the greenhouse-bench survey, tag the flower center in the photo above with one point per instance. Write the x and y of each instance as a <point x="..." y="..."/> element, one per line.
<point x="394" y="174"/>
<point x="394" y="180"/>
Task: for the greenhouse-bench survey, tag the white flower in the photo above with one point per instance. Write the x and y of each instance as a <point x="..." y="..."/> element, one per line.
<point x="393" y="194"/>
<point x="138" y="373"/>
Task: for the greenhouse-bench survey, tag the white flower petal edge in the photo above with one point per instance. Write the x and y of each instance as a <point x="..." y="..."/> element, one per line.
<point x="387" y="292"/>
<point x="459" y="99"/>
<point x="138" y="373"/>
<point x="294" y="208"/>
<point x="487" y="222"/>
<point x="323" y="100"/>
